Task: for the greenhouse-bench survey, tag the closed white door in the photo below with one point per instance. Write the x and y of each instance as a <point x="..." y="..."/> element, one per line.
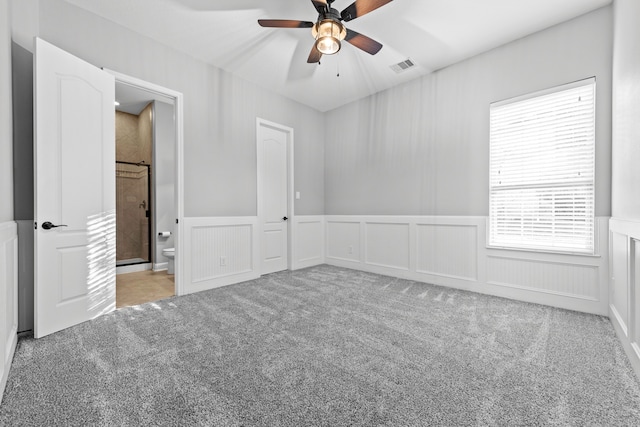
<point x="74" y="190"/>
<point x="273" y="210"/>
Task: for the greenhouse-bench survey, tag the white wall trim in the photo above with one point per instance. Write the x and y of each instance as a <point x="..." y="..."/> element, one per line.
<point x="308" y="246"/>
<point x="616" y="318"/>
<point x="160" y="266"/>
<point x="25" y="274"/>
<point x="446" y="251"/>
<point x="237" y="239"/>
<point x="8" y="298"/>
<point x="220" y="251"/>
<point x="451" y="251"/>
<point x="178" y="98"/>
<point x="624" y="284"/>
<point x="547" y="291"/>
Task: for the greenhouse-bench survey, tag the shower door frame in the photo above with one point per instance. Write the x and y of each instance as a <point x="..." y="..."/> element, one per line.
<point x="150" y="216"/>
<point x="178" y="99"/>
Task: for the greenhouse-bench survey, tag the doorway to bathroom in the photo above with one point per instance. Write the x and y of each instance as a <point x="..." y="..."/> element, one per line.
<point x="148" y="172"/>
<point x="135" y="143"/>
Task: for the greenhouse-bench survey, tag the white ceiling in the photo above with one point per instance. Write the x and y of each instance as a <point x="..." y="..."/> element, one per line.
<point x="432" y="33"/>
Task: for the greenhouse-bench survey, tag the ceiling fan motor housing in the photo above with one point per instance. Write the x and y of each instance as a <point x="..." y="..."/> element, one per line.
<point x="329" y="24"/>
<point x="331" y="13"/>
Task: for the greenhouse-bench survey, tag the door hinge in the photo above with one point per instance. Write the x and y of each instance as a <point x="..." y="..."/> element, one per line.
<point x="176" y="220"/>
<point x="35" y="225"/>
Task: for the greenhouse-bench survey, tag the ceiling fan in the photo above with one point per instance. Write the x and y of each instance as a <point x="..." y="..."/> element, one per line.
<point x="329" y="30"/>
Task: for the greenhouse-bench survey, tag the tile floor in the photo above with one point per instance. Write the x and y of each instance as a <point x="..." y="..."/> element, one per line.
<point x="144" y="286"/>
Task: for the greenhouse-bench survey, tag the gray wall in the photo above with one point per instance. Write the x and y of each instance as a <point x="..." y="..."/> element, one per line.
<point x="164" y="150"/>
<point x="625" y="203"/>
<point x="219" y="116"/>
<point x="6" y="126"/>
<point x="423" y="148"/>
<point x="23" y="191"/>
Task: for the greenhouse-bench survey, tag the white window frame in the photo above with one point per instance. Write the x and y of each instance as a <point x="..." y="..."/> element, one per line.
<point x="526" y="207"/>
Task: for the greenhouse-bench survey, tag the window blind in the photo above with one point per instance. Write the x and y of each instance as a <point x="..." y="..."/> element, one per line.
<point x="542" y="173"/>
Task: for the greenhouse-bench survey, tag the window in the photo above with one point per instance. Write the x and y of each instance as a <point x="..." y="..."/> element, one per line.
<point x="542" y="170"/>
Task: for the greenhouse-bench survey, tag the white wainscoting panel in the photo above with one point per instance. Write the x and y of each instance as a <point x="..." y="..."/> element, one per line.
<point x="25" y="275"/>
<point x="447" y="250"/>
<point x="624" y="307"/>
<point x="308" y="243"/>
<point x="620" y="284"/>
<point x="220" y="251"/>
<point x="451" y="251"/>
<point x="8" y="298"/>
<point x="558" y="278"/>
<point x="634" y="292"/>
<point x="387" y="244"/>
<point x="343" y="240"/>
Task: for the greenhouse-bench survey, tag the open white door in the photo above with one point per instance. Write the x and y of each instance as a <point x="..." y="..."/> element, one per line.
<point x="273" y="188"/>
<point x="74" y="190"/>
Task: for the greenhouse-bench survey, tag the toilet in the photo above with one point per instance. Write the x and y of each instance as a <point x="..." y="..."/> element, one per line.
<point x="170" y="253"/>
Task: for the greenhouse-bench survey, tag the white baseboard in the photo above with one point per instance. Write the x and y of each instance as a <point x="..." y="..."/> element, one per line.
<point x="160" y="266"/>
<point x="9" y="300"/>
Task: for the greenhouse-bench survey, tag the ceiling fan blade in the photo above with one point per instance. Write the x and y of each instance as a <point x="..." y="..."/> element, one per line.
<point x="284" y="23"/>
<point x="299" y="69"/>
<point x="314" y="55"/>
<point x="320" y="5"/>
<point x="363" y="42"/>
<point x="361" y="7"/>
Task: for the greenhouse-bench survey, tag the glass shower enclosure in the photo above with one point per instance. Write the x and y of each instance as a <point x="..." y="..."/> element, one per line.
<point x="133" y="213"/>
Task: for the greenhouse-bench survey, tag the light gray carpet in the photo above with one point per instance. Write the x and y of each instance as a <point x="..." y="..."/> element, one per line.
<point x="326" y="346"/>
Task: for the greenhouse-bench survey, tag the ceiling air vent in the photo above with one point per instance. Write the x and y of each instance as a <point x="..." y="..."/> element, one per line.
<point x="402" y="66"/>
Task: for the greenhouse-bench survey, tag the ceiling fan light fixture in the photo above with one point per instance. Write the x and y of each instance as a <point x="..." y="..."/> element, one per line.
<point x="329" y="27"/>
<point x="328" y="45"/>
<point x="328" y="34"/>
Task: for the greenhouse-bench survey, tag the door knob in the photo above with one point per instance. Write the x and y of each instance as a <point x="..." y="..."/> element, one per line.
<point x="48" y="226"/>
<point x="284" y="218"/>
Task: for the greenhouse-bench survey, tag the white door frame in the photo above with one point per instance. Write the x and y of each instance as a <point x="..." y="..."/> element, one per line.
<point x="179" y="166"/>
<point x="260" y="191"/>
